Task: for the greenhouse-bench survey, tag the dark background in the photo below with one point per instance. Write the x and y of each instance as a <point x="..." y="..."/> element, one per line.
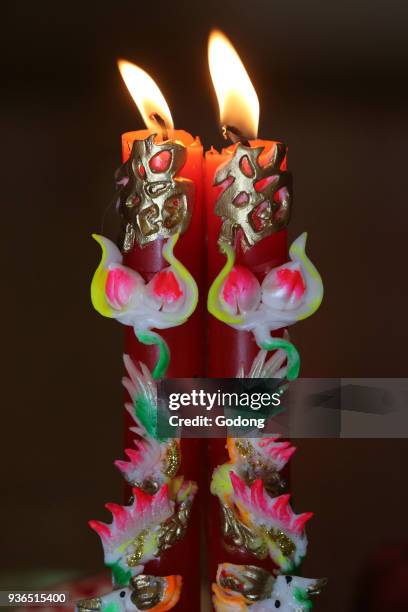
<point x="331" y="79"/>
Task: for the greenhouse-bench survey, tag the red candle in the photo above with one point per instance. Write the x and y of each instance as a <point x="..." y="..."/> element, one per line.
<point x="243" y="182"/>
<point x="188" y="360"/>
<point x="229" y="348"/>
<point x="186" y="342"/>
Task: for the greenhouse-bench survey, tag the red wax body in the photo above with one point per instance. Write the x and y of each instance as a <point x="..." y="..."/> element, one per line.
<point x="187" y="347"/>
<point x="227" y="348"/>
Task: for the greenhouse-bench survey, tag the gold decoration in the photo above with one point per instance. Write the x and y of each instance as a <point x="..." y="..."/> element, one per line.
<point x="172" y="459"/>
<point x="256" y="199"/>
<point x="170" y="467"/>
<point x="174" y="529"/>
<point x="244" y="448"/>
<point x="241" y="536"/>
<point x="285" y="544"/>
<point x="153" y="202"/>
<point x="257" y="468"/>
<point x="89" y="605"/>
<point x="138" y="543"/>
<point x="254" y="583"/>
<point x="148" y="486"/>
<point x="147" y="591"/>
<point x="254" y="541"/>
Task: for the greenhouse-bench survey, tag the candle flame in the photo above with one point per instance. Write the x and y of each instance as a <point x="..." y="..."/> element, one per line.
<point x="237" y="99"/>
<point x="147" y="96"/>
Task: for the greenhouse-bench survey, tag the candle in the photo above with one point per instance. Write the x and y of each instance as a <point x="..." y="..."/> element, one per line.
<point x="253" y="295"/>
<point x="147" y="287"/>
<point x="165" y="197"/>
<point x="146" y="256"/>
<point x="249" y="190"/>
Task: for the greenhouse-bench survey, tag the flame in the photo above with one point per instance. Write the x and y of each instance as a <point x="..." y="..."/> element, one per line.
<point x="237" y="99"/>
<point x="146" y="94"/>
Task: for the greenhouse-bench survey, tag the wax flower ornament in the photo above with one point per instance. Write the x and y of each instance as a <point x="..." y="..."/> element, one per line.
<point x="154" y="461"/>
<point x="246" y="587"/>
<point x="258" y="523"/>
<point x="132" y="539"/>
<point x="157" y="517"/>
<point x="287" y="294"/>
<point x="143" y="530"/>
<point x="253" y="459"/>
<point x="166" y="301"/>
<point x="157" y="594"/>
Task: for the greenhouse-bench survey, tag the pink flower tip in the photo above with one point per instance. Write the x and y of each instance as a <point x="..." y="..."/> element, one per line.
<point x="284" y="287"/>
<point x="241" y="290"/>
<point x="120" y="285"/>
<point x="166" y="287"/>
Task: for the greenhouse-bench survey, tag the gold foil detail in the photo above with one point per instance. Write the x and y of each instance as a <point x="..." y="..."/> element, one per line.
<point x="254" y="583"/>
<point x="247" y="206"/>
<point x="244" y="448"/>
<point x="257" y="468"/>
<point x="174" y="529"/>
<point x="148" y="486"/>
<point x="153" y="201"/>
<point x="147" y="592"/>
<point x="241" y="536"/>
<point x="89" y="605"/>
<point x="170" y="466"/>
<point x="172" y="459"/>
<point x="138" y="543"/>
<point x="285" y="544"/>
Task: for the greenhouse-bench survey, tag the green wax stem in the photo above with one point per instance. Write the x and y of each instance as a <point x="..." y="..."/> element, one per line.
<point x="121" y="577"/>
<point x="302" y="597"/>
<point x="293" y="356"/>
<point x="151" y="338"/>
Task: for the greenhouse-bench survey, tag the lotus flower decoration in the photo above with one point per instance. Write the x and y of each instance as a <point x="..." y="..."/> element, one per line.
<point x="167" y="300"/>
<point x="287" y="294"/>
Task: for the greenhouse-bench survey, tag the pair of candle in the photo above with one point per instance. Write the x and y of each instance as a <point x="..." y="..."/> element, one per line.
<point x="240" y="200"/>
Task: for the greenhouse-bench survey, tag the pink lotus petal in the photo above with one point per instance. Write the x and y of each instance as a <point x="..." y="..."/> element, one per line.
<point x="241" y="291"/>
<point x="166" y="290"/>
<point x="121" y="283"/>
<point x="284" y="287"/>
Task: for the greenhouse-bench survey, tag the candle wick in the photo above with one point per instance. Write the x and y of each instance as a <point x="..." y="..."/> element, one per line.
<point x="232" y="133"/>
<point x="162" y="125"/>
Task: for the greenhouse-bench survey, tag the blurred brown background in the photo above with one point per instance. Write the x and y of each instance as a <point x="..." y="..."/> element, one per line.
<point x="331" y="79"/>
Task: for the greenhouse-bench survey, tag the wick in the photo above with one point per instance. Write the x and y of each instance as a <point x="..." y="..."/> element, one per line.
<point x="162" y="125"/>
<point x="232" y="133"/>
